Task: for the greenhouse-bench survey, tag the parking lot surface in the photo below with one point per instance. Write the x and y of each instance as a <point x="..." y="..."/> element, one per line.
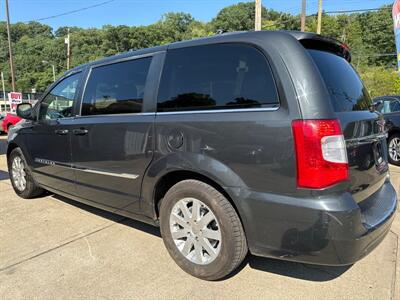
<point x="54" y="248"/>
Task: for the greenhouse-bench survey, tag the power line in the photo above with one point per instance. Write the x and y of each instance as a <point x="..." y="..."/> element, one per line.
<point x="356" y="10"/>
<point x="327" y="12"/>
<point x="71" y="11"/>
<point x="109" y="1"/>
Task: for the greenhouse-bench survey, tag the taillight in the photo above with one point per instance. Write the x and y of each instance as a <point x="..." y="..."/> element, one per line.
<point x="345" y="46"/>
<point x="320" y="153"/>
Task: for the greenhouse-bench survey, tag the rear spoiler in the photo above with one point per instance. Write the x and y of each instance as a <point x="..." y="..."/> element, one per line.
<point x="319" y="42"/>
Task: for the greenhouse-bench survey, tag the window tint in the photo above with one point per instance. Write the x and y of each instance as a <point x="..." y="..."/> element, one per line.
<point x="117" y="88"/>
<point x="380" y="107"/>
<point x="342" y="81"/>
<point x="59" y="101"/>
<point x="221" y="76"/>
<point x="395" y="106"/>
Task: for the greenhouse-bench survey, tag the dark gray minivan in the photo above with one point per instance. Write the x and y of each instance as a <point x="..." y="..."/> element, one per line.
<point x="259" y="141"/>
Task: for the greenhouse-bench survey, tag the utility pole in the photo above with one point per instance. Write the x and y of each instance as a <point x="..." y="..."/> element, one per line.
<point x="4" y="91"/>
<point x="303" y="15"/>
<point x="54" y="73"/>
<point x="319" y="25"/>
<point x="67" y="41"/>
<point x="10" y="48"/>
<point x="257" y="25"/>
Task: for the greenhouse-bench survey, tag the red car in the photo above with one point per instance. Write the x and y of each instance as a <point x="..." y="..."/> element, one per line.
<point x="9" y="120"/>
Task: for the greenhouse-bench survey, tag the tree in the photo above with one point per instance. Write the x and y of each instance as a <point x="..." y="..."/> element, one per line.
<point x="176" y="24"/>
<point x="380" y="81"/>
<point x="236" y="17"/>
<point x="63" y="31"/>
<point x="378" y="36"/>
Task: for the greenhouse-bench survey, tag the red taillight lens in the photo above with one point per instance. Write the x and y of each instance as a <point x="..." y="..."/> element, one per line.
<point x="320" y="153"/>
<point x="345" y="47"/>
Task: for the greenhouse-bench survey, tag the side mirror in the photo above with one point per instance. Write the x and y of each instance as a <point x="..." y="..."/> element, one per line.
<point x="374" y="106"/>
<point x="24" y="111"/>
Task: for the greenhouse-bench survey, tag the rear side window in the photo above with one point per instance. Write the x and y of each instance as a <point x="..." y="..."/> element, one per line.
<point x="395" y="106"/>
<point x="347" y="91"/>
<point x="116" y="88"/>
<point x="222" y="76"/>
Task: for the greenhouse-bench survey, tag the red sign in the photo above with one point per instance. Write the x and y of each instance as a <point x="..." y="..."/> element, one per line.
<point x="14" y="99"/>
<point x="396" y="14"/>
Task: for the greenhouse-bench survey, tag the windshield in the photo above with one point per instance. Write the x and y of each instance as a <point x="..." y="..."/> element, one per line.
<point x="345" y="87"/>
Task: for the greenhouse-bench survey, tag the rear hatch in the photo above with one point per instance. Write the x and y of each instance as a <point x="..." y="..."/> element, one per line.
<point x="364" y="131"/>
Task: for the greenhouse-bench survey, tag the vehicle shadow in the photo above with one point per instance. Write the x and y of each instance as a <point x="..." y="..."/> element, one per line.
<point x="296" y="270"/>
<point x="284" y="268"/>
<point x="111" y="216"/>
<point x="4" y="175"/>
<point x="3" y="145"/>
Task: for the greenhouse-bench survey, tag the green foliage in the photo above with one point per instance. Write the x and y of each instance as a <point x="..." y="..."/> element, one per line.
<point x="378" y="36"/>
<point x="236" y="17"/>
<point x="241" y="16"/>
<point x="397" y="86"/>
<point x="380" y="81"/>
<point x="367" y="34"/>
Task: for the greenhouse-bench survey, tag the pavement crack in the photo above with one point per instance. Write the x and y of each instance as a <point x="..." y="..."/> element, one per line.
<point x="62" y="245"/>
<point x="393" y="292"/>
<point x="89" y="248"/>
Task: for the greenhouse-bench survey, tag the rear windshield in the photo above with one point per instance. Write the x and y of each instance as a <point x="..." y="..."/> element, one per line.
<point x="345" y="87"/>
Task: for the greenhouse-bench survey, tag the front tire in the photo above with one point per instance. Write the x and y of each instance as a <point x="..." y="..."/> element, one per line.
<point x="21" y="177"/>
<point x="201" y="230"/>
<point x="394" y="149"/>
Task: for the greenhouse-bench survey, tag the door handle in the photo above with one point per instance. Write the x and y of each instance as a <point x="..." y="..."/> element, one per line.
<point x="81" y="131"/>
<point x="61" y="131"/>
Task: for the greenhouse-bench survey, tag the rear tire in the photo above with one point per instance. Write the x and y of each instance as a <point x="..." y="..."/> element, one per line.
<point x="214" y="238"/>
<point x="394" y="149"/>
<point x="21" y="177"/>
<point x="9" y="127"/>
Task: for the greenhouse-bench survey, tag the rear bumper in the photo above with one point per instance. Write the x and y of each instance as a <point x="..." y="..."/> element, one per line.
<point x="327" y="231"/>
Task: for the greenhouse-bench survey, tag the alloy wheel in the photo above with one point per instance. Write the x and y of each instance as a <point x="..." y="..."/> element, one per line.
<point x="394" y="149"/>
<point x="18" y="173"/>
<point x="195" y="231"/>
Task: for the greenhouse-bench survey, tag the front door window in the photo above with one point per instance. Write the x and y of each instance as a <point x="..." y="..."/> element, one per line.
<point x="59" y="101"/>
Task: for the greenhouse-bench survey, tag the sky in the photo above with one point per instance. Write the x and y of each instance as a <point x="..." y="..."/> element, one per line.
<point x="145" y="12"/>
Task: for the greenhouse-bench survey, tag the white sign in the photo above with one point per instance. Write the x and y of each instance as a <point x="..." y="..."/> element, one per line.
<point x="14" y="98"/>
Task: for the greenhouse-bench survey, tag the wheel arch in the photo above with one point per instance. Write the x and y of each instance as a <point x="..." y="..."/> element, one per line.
<point x="392" y="131"/>
<point x="167" y="170"/>
<point x="171" y="178"/>
<point x="11" y="147"/>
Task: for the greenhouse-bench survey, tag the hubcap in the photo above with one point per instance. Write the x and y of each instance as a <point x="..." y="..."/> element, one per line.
<point x="195" y="231"/>
<point x="18" y="173"/>
<point x="394" y="149"/>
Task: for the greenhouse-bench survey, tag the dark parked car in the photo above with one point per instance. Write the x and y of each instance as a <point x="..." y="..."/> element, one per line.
<point x="389" y="106"/>
<point x="259" y="141"/>
<point x="2" y="116"/>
